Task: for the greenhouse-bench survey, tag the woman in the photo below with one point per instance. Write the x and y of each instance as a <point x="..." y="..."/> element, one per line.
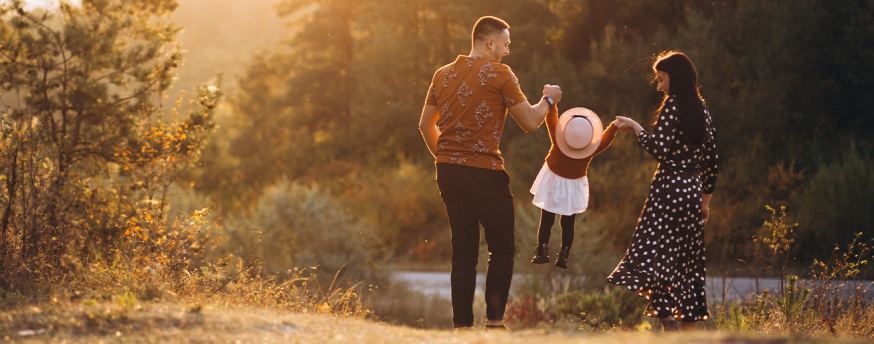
<point x="665" y="262"/>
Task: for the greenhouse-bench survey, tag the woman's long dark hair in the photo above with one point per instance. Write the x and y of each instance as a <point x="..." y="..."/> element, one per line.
<point x="684" y="84"/>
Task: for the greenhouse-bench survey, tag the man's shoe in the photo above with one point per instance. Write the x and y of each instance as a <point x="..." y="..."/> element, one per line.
<point x="563" y="255"/>
<point x="464" y="329"/>
<point x="497" y="327"/>
<point x="541" y="254"/>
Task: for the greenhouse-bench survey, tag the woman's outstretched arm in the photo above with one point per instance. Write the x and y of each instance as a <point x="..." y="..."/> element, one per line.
<point x="658" y="144"/>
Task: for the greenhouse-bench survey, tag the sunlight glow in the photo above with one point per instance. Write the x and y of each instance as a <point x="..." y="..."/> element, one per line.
<point x="31" y="4"/>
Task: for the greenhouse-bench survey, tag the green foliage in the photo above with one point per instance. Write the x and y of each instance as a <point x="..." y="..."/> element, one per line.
<point x="777" y="231"/>
<point x="793" y="299"/>
<point x="304" y="226"/>
<point x="841" y="289"/>
<point x="88" y="154"/>
<point x="820" y="305"/>
<point x="341" y="101"/>
<point x="836" y="204"/>
<point x="845" y="264"/>
<point x="612" y="307"/>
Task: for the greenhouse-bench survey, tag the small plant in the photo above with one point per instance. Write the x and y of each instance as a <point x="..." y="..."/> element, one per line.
<point x="779" y="228"/>
<point x="793" y="301"/>
<point x="844" y="270"/>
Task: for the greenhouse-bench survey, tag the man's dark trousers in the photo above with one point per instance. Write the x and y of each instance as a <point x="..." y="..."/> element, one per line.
<point x="475" y="196"/>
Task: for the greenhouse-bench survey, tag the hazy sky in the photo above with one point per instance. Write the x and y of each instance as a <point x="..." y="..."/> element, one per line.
<point x="43" y="3"/>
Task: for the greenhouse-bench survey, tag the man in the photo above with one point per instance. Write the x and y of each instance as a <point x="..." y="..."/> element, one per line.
<point x="462" y="124"/>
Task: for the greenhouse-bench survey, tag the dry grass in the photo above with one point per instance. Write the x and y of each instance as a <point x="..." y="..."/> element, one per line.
<point x="86" y="321"/>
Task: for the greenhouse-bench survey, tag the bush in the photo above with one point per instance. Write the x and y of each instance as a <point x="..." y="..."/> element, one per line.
<point x="404" y="203"/>
<point x="612" y="307"/>
<point x="836" y="205"/>
<point x="304" y="226"/>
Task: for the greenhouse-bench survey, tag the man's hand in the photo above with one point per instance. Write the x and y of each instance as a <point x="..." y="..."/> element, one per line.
<point x="528" y="116"/>
<point x="428" y="127"/>
<point x="553" y="92"/>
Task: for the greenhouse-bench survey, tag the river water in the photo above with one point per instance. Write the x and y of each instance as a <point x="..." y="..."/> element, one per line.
<point x="718" y="288"/>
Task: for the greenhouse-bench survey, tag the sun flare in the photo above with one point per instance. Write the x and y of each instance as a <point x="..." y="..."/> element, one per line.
<point x="30" y="4"/>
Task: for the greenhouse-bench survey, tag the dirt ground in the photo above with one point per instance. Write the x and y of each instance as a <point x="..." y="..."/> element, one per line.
<point x="180" y="323"/>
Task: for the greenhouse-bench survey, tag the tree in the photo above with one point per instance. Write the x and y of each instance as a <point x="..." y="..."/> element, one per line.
<point x="86" y="143"/>
<point x="786" y="82"/>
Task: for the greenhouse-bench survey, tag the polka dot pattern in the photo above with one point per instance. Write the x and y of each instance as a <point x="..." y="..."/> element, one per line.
<point x="665" y="262"/>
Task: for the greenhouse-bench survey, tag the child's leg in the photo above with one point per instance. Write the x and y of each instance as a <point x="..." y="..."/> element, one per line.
<point x="567" y="230"/>
<point x="547" y="219"/>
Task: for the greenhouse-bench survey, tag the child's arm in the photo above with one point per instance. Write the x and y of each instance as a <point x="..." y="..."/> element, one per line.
<point x="552" y="119"/>
<point x="607" y="138"/>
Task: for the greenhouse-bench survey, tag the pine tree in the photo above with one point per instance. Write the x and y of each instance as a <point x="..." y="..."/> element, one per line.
<point x="82" y="121"/>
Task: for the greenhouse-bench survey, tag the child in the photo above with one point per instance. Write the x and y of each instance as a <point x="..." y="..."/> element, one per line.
<point x="562" y="187"/>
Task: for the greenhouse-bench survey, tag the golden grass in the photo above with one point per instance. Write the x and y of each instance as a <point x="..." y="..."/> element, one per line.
<point x="87" y="321"/>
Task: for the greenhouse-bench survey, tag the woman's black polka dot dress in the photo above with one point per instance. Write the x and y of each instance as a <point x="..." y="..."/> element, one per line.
<point x="665" y="262"/>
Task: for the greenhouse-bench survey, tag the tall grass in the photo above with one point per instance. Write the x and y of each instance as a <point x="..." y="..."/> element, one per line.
<point x="833" y="301"/>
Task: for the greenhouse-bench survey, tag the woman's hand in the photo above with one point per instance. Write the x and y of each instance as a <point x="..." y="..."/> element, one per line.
<point x="705" y="207"/>
<point x="622" y="126"/>
<point x="626" y="124"/>
<point x="705" y="213"/>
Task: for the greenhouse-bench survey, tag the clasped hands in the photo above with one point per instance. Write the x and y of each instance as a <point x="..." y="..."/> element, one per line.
<point x="627" y="124"/>
<point x="553" y="92"/>
<point x="621" y="123"/>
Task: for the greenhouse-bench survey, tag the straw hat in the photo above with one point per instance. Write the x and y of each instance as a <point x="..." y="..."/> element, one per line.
<point x="578" y="133"/>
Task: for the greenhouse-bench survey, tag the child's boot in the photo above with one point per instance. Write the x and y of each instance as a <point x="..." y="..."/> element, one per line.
<point x="541" y="254"/>
<point x="563" y="255"/>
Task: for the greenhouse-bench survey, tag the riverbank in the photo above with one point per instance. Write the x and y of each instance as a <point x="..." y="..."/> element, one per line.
<point x="721" y="290"/>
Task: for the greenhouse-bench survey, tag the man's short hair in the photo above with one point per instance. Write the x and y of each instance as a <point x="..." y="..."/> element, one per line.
<point x="487" y="26"/>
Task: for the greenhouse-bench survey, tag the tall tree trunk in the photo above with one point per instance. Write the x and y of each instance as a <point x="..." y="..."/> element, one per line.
<point x="52" y="209"/>
<point x="7" y="213"/>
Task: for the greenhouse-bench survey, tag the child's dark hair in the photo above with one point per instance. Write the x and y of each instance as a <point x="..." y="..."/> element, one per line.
<point x="684" y="84"/>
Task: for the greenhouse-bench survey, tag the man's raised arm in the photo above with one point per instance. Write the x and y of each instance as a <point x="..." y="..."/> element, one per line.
<point x="529" y="117"/>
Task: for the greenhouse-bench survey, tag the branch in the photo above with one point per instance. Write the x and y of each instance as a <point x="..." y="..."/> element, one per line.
<point x="132" y="96"/>
<point x="241" y="270"/>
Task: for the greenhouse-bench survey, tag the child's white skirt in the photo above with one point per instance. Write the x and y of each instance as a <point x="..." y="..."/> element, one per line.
<point x="560" y="195"/>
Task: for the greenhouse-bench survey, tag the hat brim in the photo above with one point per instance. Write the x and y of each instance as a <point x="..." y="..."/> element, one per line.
<point x="597" y="133"/>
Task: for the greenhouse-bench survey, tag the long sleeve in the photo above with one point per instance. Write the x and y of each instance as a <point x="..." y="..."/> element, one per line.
<point x="709" y="169"/>
<point x="606" y="139"/>
<point x="658" y="144"/>
<point x="552" y="122"/>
